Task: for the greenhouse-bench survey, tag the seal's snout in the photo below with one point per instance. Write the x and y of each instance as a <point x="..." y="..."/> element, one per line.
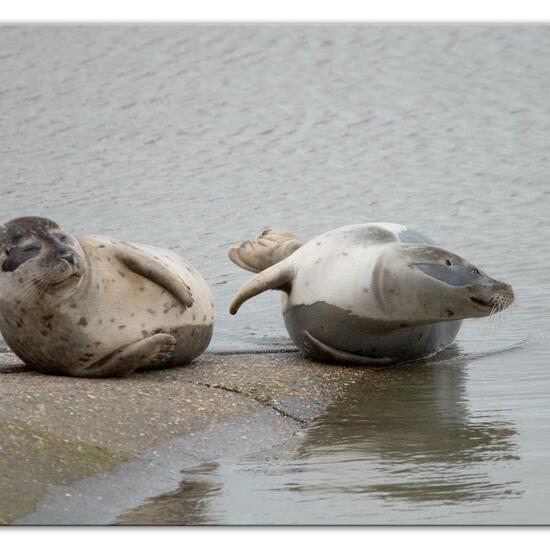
<point x="504" y="296"/>
<point x="492" y="298"/>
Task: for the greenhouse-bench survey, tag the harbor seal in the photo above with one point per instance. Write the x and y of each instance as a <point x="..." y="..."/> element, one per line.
<point x="368" y="294"/>
<point x="94" y="306"/>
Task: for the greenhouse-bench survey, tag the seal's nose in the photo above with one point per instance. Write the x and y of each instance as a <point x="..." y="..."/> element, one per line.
<point x="69" y="257"/>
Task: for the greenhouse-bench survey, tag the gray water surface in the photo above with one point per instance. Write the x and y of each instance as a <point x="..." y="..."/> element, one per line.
<point x="196" y="137"/>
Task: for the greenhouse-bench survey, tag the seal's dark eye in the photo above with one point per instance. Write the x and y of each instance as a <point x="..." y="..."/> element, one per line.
<point x="448" y="262"/>
<point x="475" y="271"/>
<point x="62" y="238"/>
<point x="32" y="248"/>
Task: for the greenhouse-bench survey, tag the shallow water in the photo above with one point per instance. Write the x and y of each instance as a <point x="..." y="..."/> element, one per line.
<point x="198" y="137"/>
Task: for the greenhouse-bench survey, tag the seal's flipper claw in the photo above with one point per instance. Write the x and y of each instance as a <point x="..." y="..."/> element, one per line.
<point x="153" y="351"/>
<point x="327" y="354"/>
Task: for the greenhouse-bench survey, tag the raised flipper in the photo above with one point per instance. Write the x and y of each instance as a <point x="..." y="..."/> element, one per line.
<point x="276" y="277"/>
<point x="155" y="350"/>
<point x="269" y="247"/>
<point x="327" y="354"/>
<point x="145" y="264"/>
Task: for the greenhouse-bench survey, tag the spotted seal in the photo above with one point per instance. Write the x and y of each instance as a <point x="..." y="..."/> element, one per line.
<point x="368" y="294"/>
<point x="94" y="306"/>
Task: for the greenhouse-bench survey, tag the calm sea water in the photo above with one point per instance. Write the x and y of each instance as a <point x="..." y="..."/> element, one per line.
<point x="196" y="137"/>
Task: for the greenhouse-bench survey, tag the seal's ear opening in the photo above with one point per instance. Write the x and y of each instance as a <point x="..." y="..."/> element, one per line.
<point x="276" y="277"/>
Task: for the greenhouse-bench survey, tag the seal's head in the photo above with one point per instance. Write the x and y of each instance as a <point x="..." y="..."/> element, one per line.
<point x="37" y="257"/>
<point x="424" y="283"/>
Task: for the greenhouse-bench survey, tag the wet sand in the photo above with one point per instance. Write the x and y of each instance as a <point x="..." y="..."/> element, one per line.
<point x="62" y="438"/>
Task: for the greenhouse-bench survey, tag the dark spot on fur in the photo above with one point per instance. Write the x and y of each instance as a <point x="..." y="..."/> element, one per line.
<point x="141" y="289"/>
<point x="43" y="333"/>
<point x="112" y="320"/>
<point x="73" y="306"/>
<point x="121" y="327"/>
<point x="47" y="317"/>
<point x="151" y="311"/>
<point x="450" y="312"/>
<point x="82" y="322"/>
<point x="101" y="246"/>
<point x="365" y="289"/>
<point x="144" y="332"/>
<point x="97" y="344"/>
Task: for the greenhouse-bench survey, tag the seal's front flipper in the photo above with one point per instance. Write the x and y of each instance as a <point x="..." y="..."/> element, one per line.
<point x="276" y="277"/>
<point x="268" y="248"/>
<point x="327" y="354"/>
<point x="148" y="266"/>
<point x="153" y="351"/>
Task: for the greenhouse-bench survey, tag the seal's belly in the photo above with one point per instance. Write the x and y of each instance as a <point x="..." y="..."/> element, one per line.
<point x="130" y="308"/>
<point x="347" y="332"/>
<point x="117" y="307"/>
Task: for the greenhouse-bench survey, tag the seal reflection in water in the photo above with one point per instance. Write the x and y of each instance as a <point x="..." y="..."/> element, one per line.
<point x="93" y="306"/>
<point x="368" y="294"/>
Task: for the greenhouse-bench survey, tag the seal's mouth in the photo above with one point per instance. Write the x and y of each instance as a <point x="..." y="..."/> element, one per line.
<point x="480" y="302"/>
<point x="73" y="277"/>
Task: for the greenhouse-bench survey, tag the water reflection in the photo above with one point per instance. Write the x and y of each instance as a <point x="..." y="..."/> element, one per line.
<point x="411" y="430"/>
<point x="402" y="444"/>
<point x="188" y="505"/>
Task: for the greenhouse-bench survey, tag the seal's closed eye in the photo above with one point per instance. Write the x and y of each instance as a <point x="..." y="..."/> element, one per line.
<point x="454" y="275"/>
<point x="19" y="255"/>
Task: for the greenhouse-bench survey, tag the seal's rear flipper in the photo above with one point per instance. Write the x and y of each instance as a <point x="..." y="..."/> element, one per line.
<point x="269" y="247"/>
<point x="327" y="354"/>
<point x="154" y="350"/>
<point x="276" y="277"/>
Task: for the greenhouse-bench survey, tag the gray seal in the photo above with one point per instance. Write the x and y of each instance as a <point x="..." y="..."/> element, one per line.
<point x="368" y="294"/>
<point x="93" y="306"/>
